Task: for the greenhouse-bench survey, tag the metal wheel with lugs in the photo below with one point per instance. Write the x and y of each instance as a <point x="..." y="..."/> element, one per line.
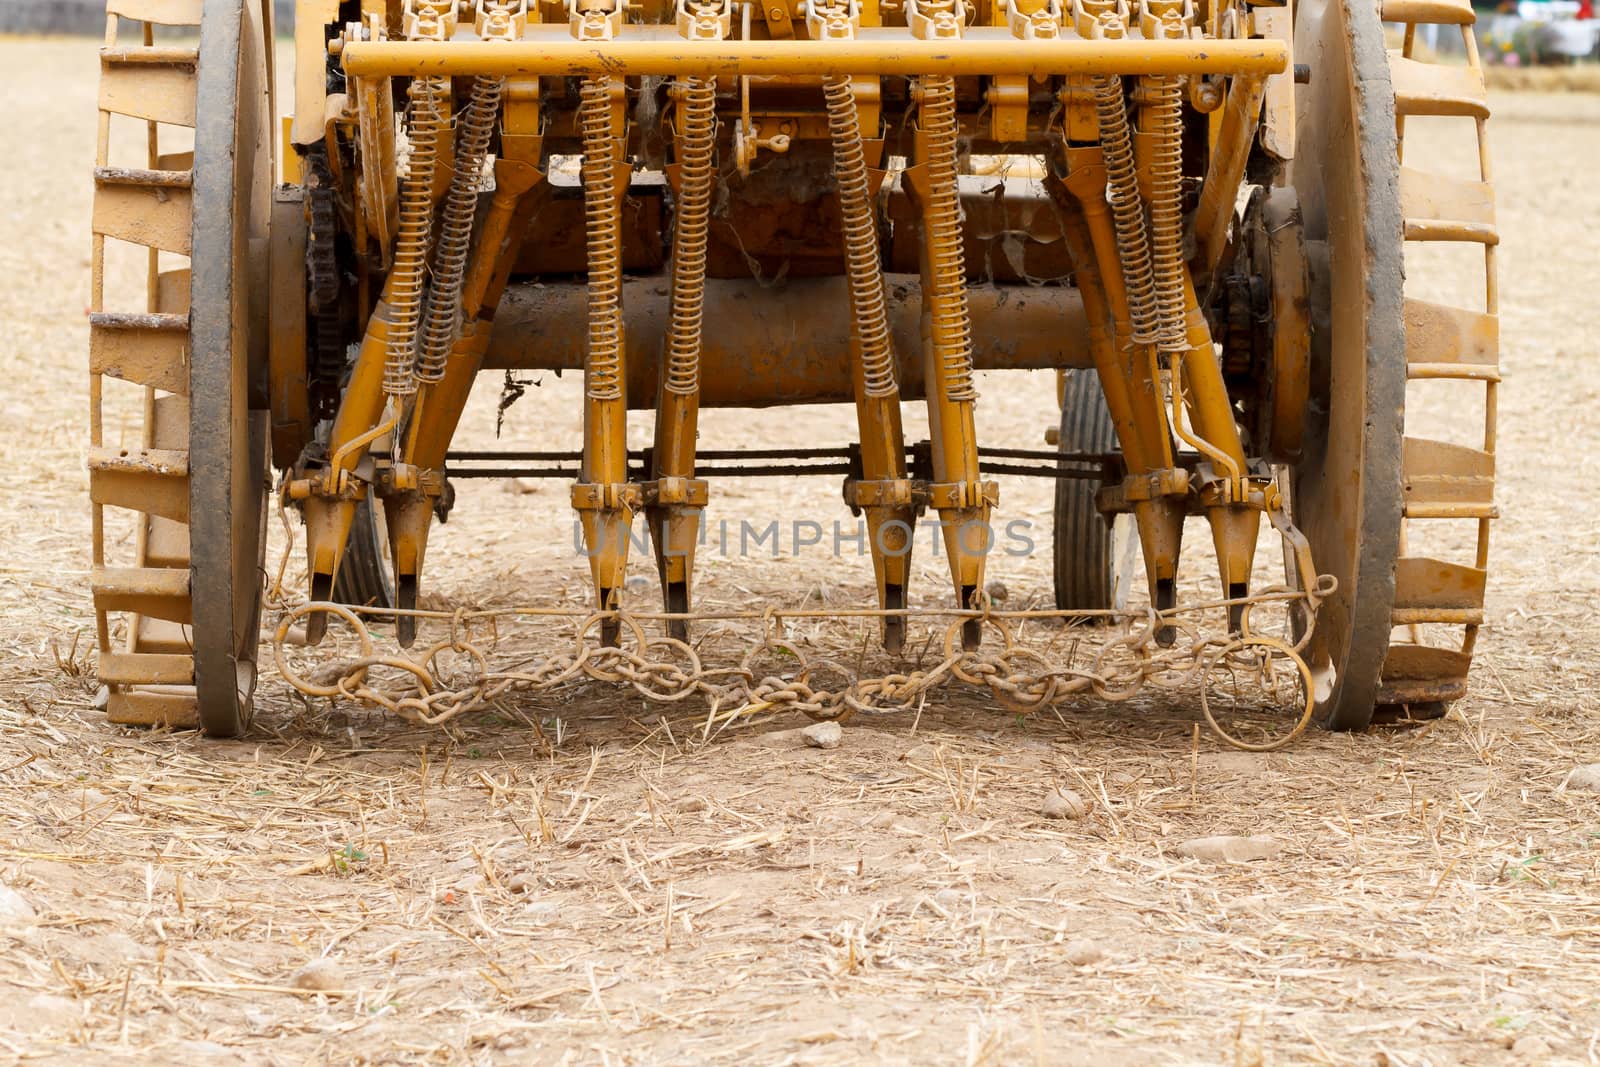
<point x="1361" y="477"/>
<point x="178" y="625"/>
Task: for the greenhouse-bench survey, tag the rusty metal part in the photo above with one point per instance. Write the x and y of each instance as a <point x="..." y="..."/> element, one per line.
<point x="771" y="347"/>
<point x="1444" y="342"/>
<point x="1265" y="307"/>
<point x="1344" y="494"/>
<point x="326" y="289"/>
<point x="1020" y="677"/>
<point x="289" y="393"/>
<point x="196" y="482"/>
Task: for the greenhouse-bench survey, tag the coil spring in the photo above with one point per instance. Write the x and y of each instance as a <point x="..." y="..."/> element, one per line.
<point x="424" y="126"/>
<point x="455" y="229"/>
<point x="697" y="171"/>
<point x="1166" y="209"/>
<point x="952" y="327"/>
<point x="862" y="260"/>
<point x="603" y="374"/>
<point x="1127" y="210"/>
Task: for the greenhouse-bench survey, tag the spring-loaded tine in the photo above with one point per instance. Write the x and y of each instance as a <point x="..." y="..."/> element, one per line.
<point x="674" y="499"/>
<point x="605" y="500"/>
<point x="880" y="490"/>
<point x="957" y="491"/>
<point x="409" y="496"/>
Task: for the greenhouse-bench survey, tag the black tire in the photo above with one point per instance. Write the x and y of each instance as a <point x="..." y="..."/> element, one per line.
<point x="365" y="578"/>
<point x="1085" y="561"/>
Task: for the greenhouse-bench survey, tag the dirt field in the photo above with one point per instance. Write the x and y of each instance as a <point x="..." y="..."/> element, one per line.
<point x="610" y="889"/>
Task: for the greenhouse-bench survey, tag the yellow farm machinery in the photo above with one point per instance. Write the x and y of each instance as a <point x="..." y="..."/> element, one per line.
<point x="1195" y="215"/>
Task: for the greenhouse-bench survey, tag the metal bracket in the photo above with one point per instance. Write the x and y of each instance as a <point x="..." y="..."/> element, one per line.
<point x="500" y="20"/>
<point x="595" y="20"/>
<point x="428" y="20"/>
<point x="945" y="496"/>
<point x="612" y="496"/>
<point x="945" y="20"/>
<point x="704" y="20"/>
<point x="668" y="491"/>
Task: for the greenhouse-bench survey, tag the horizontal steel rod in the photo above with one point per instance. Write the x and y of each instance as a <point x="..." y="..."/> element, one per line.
<point x="883" y="55"/>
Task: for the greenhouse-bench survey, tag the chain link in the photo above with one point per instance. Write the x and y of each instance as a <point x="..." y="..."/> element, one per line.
<point x="426" y="689"/>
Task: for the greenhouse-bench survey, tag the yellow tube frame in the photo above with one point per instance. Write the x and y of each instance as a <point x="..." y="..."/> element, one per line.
<point x="882" y="52"/>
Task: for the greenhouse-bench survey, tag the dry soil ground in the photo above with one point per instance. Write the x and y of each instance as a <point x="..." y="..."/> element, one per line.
<point x="612" y="890"/>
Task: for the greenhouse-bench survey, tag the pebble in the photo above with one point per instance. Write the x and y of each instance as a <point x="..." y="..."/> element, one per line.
<point x="923" y="753"/>
<point x="823" y="734"/>
<point x="322" y="976"/>
<point x="1586" y="778"/>
<point x="13" y="906"/>
<point x="1081" y="953"/>
<point x="1064" y="804"/>
<point x="881" y="821"/>
<point x="1231" y="849"/>
<point x="521" y="882"/>
<point x="997" y="591"/>
<point x="1531" y="1048"/>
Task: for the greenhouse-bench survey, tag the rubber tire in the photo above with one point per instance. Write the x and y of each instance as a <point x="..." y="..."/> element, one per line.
<point x="1082" y="541"/>
<point x="365" y="578"/>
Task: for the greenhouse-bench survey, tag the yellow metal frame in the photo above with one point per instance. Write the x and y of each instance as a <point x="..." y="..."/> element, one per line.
<point x="882" y="52"/>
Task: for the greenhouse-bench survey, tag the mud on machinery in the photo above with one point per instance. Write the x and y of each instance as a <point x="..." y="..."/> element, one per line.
<point x="1194" y="211"/>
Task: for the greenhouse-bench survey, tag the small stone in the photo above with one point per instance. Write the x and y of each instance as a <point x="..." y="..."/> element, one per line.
<point x="1586" y="778"/>
<point x="522" y="486"/>
<point x="823" y="735"/>
<point x="1531" y="1048"/>
<point x="13" y="906"/>
<point x="102" y="697"/>
<point x="997" y="591"/>
<point x="1231" y="849"/>
<point x="1081" y="953"/>
<point x="322" y="976"/>
<point x="923" y="753"/>
<point x="521" y="882"/>
<point x="881" y="821"/>
<point x="1064" y="804"/>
